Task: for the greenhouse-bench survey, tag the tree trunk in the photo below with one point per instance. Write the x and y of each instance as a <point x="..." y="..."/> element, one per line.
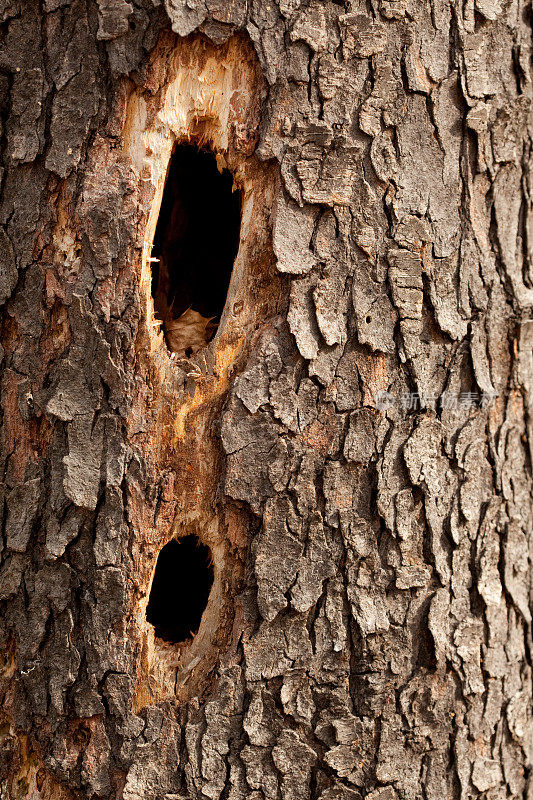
<point x="350" y="454"/>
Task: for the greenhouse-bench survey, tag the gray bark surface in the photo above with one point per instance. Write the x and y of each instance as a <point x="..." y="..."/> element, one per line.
<point x="374" y="634"/>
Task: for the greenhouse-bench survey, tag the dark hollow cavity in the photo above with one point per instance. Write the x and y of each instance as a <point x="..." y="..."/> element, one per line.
<point x="196" y="242"/>
<point x="180" y="589"/>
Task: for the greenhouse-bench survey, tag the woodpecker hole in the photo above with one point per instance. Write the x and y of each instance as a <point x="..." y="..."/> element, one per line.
<point x="180" y="589"/>
<point x="195" y="244"/>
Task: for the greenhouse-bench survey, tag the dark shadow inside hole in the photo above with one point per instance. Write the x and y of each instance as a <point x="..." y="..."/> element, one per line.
<point x="196" y="242"/>
<point x="180" y="589"/>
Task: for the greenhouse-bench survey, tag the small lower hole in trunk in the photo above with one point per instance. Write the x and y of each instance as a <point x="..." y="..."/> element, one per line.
<point x="195" y="244"/>
<point x="180" y="589"/>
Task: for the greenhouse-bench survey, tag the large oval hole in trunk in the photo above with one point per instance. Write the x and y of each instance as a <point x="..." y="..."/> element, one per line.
<point x="195" y="244"/>
<point x="183" y="579"/>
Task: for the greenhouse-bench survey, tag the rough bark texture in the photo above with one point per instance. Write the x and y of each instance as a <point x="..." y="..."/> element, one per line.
<point x="370" y="628"/>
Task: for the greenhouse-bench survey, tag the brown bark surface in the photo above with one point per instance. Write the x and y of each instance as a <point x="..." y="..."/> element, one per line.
<point x="354" y="445"/>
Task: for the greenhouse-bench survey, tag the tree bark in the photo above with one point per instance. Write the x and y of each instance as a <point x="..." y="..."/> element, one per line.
<point x="354" y="446"/>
